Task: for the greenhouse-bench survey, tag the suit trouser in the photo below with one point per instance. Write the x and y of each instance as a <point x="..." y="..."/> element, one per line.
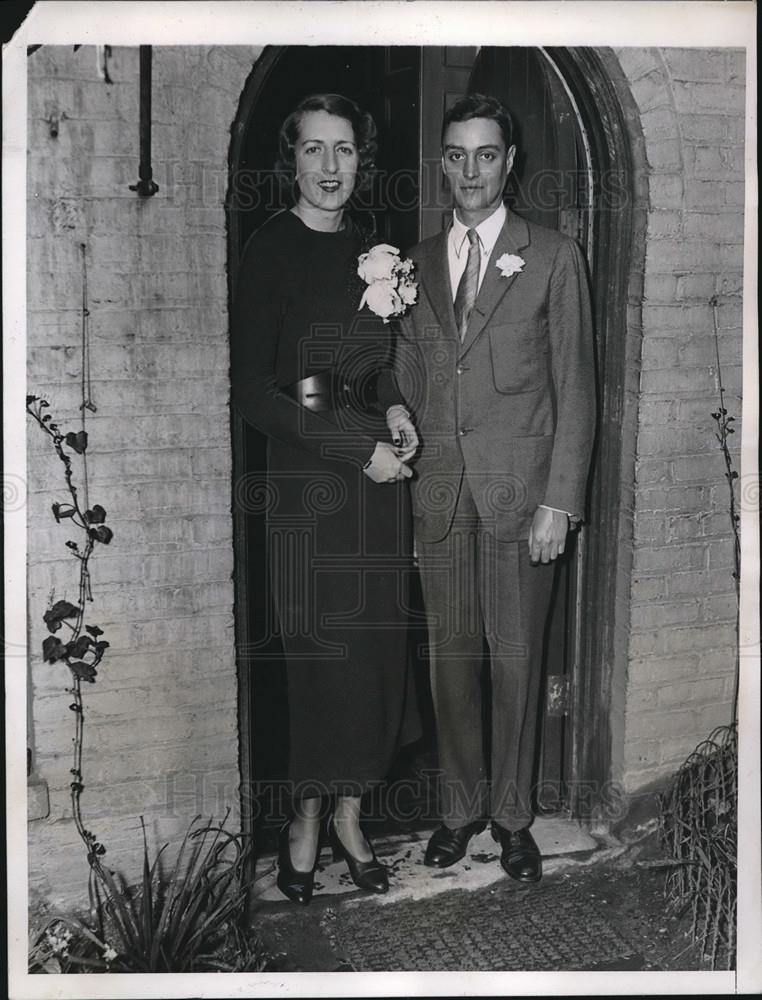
<point x="475" y="586"/>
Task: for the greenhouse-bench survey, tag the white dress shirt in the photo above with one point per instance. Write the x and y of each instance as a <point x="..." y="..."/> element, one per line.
<point x="457" y="245"/>
<point x="457" y="255"/>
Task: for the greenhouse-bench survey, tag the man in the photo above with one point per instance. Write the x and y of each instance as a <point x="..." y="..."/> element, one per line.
<point x="496" y="363"/>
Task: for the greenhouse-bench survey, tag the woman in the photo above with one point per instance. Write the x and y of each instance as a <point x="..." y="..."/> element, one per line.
<point x="311" y="370"/>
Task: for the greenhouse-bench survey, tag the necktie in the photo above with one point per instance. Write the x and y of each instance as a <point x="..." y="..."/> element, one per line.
<point x="468" y="285"/>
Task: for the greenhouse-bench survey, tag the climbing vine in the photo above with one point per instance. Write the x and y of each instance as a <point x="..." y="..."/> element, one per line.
<point x="72" y="641"/>
<point x="724" y="429"/>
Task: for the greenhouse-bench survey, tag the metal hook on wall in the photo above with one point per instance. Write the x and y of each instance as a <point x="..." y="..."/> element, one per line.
<point x="102" y="56"/>
<point x="146" y="186"/>
<point x="54" y="120"/>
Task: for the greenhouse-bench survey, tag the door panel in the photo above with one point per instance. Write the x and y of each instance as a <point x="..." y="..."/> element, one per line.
<point x="385" y="81"/>
<point x="444" y="78"/>
<point x="381" y="80"/>
<point x="548" y="185"/>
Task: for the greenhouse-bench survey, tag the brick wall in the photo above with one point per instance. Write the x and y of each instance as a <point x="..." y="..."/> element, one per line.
<point x="682" y="622"/>
<point x="161" y="720"/>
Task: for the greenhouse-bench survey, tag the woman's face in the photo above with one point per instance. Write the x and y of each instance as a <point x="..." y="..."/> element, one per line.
<point x="326" y="161"/>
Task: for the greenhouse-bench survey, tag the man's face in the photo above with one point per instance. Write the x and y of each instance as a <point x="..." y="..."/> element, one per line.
<point x="476" y="165"/>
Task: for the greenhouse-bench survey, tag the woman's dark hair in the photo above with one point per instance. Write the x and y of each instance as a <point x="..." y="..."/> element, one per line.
<point x="363" y="127"/>
<point x="480" y="106"/>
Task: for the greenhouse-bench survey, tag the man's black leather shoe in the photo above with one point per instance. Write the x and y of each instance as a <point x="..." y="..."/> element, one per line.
<point x="448" y="846"/>
<point x="520" y="856"/>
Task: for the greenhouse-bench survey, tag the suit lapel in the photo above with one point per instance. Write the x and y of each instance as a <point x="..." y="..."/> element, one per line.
<point x="514" y="236"/>
<point x="435" y="277"/>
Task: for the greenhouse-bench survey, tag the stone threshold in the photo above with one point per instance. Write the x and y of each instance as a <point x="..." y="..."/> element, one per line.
<point x="564" y="843"/>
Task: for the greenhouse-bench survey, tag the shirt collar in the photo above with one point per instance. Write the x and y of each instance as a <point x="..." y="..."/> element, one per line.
<point x="488" y="231"/>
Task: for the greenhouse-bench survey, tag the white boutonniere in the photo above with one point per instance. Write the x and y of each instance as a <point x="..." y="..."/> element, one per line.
<point x="391" y="287"/>
<point x="510" y="263"/>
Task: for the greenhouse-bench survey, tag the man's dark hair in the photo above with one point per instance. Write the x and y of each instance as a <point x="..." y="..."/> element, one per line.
<point x="480" y="106"/>
<point x="362" y="123"/>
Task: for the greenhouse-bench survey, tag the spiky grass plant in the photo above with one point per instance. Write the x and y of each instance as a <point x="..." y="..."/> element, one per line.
<point x="699" y="828"/>
<point x="179" y="921"/>
<point x="189" y="919"/>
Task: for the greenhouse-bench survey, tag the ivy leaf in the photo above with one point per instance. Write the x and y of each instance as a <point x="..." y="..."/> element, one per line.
<point x="73" y="546"/>
<point x="55" y="615"/>
<point x="101" y="647"/>
<point x="53" y="649"/>
<point x="95" y="516"/>
<point x="77" y="441"/>
<point x="101" y="534"/>
<point x="31" y="399"/>
<point x="94" y="630"/>
<point x="80" y="646"/>
<point x="62" y="510"/>
<point x="84" y="671"/>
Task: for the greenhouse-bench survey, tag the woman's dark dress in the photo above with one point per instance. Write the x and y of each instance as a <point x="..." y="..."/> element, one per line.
<point x="339" y="544"/>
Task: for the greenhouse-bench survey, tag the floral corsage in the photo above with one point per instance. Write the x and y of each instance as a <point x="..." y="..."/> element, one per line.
<point x="391" y="287"/>
<point x="509" y="264"/>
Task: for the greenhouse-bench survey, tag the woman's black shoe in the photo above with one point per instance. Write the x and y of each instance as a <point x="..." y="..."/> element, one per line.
<point x="370" y="875"/>
<point x="294" y="884"/>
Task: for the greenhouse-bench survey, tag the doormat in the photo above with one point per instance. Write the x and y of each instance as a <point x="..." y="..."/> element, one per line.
<point x="510" y="928"/>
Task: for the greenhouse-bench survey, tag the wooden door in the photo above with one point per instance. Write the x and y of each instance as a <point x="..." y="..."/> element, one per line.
<point x="385" y="81"/>
<point x="435" y="77"/>
<point x="549" y="185"/>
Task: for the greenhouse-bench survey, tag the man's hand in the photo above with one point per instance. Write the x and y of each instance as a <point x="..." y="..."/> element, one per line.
<point x="547" y="536"/>
<point x="385" y="466"/>
<point x="403" y="432"/>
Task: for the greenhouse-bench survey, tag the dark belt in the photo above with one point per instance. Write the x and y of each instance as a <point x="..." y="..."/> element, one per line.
<point x="326" y="391"/>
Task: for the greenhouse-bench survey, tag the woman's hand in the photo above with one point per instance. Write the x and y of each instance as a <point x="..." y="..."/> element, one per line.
<point x="385" y="466"/>
<point x="403" y="432"/>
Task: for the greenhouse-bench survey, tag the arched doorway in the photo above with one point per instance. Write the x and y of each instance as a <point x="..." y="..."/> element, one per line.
<point x="575" y="174"/>
<point x="386" y="82"/>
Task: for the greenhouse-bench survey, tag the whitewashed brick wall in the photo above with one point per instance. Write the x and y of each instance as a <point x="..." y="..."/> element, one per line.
<point x="161" y="737"/>
<point x="682" y="625"/>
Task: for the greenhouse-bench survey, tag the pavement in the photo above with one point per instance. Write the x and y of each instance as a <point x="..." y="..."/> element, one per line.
<point x="600" y="905"/>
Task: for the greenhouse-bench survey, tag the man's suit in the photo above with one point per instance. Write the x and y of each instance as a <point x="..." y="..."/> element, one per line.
<point x="506" y="421"/>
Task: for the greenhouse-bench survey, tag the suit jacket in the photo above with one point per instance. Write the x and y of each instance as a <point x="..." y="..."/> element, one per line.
<point x="512" y="407"/>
